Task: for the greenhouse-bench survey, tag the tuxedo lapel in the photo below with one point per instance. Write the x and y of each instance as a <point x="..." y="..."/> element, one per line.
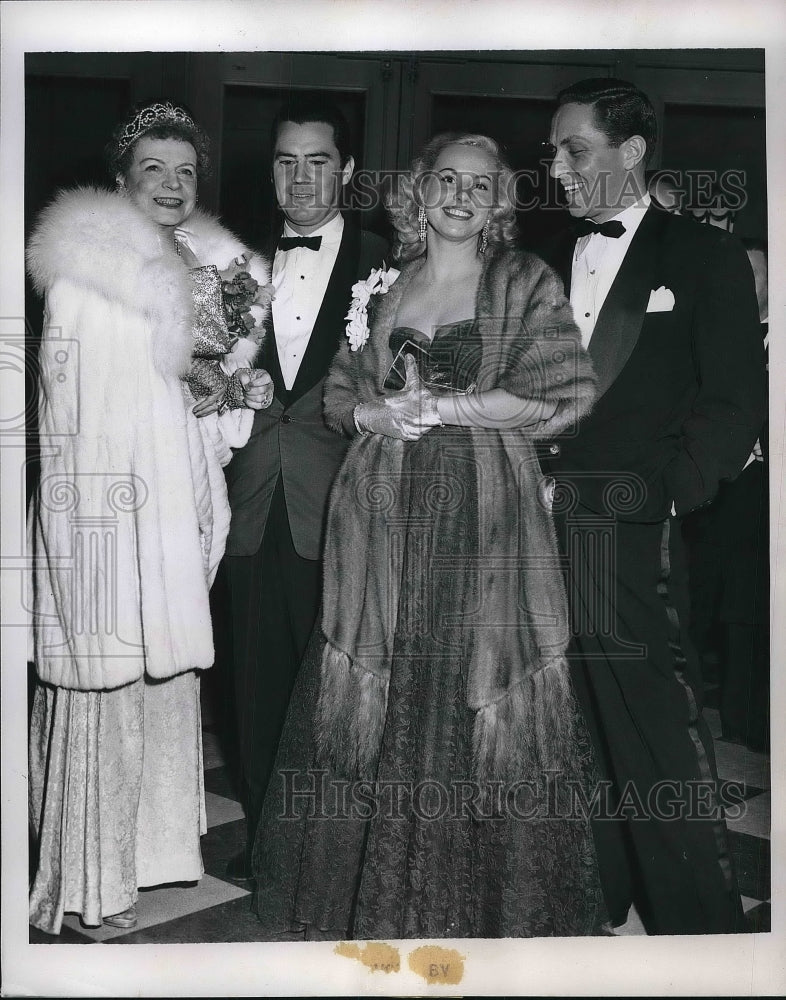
<point x="619" y="323"/>
<point x="268" y="355"/>
<point x="269" y="360"/>
<point x="329" y="324"/>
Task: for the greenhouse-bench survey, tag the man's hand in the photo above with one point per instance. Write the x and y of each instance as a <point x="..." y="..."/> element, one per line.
<point x="257" y="388"/>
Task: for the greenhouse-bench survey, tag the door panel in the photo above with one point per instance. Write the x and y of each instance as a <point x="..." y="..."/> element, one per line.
<point x="530" y="77"/>
<point x="724" y="143"/>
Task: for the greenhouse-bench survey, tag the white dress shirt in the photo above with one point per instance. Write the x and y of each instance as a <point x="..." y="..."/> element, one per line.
<point x="596" y="261"/>
<point x="300" y="279"/>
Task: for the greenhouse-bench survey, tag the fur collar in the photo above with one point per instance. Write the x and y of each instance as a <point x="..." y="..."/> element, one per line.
<point x="99" y="241"/>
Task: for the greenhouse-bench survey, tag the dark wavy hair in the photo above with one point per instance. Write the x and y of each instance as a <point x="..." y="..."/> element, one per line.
<point x="300" y="110"/>
<point x="404" y="201"/>
<point x="621" y="109"/>
<point x="119" y="162"/>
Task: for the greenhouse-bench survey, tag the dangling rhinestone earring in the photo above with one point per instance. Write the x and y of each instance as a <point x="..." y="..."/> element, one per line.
<point x="484" y="237"/>
<point x="422" y="224"/>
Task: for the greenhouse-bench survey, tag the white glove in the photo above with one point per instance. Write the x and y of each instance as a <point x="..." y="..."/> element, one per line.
<point x="406" y="415"/>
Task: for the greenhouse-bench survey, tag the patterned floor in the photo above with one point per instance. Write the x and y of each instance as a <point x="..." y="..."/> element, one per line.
<point x="217" y="909"/>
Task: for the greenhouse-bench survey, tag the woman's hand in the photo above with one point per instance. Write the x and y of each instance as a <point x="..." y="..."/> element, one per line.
<point x="209" y="404"/>
<point x="257" y="388"/>
<point x="406" y="415"/>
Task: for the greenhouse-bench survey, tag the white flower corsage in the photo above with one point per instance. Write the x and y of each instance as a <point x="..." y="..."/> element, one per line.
<point x="377" y="283"/>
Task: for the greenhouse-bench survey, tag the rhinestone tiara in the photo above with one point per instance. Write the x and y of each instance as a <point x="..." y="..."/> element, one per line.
<point x="153" y="114"/>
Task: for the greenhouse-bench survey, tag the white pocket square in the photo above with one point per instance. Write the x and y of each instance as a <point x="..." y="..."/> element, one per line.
<point x="661" y="300"/>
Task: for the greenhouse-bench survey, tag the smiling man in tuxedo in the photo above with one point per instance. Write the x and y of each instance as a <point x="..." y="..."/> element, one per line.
<point x="278" y="488"/>
<point x="667" y="310"/>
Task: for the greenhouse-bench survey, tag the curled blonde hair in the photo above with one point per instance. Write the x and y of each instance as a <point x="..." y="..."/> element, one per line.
<point x="404" y="200"/>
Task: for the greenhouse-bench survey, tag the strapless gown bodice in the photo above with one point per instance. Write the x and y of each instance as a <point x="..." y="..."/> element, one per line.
<point x="448" y="362"/>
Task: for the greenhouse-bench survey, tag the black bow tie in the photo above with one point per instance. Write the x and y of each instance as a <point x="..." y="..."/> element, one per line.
<point x="309" y="242"/>
<point x="586" y="227"/>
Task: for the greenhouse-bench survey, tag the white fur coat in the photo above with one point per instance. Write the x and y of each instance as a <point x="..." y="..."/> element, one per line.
<point x="131" y="516"/>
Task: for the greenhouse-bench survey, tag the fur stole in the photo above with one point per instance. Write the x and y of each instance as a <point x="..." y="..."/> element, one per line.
<point x="517" y="675"/>
<point x="99" y="241"/>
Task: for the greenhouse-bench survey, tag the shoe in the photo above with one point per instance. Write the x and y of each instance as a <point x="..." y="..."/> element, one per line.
<point x="125" y="919"/>
<point x="239" y="869"/>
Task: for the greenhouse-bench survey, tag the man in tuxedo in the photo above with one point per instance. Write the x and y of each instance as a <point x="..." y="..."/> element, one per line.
<point x="667" y="310"/>
<point x="280" y="481"/>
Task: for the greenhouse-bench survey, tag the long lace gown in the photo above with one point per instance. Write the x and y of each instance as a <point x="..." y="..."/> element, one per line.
<point x="415" y="856"/>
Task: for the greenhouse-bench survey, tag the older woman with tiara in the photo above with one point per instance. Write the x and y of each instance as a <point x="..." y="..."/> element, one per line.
<point x="153" y="318"/>
<point x="433" y="756"/>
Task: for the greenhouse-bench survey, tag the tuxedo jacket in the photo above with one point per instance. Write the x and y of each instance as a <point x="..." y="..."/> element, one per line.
<point x="289" y="438"/>
<point x="741" y="524"/>
<point x="681" y="390"/>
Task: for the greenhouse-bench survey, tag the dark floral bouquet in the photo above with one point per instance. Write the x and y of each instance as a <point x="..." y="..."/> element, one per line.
<point x="222" y="316"/>
<point x="240" y="291"/>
